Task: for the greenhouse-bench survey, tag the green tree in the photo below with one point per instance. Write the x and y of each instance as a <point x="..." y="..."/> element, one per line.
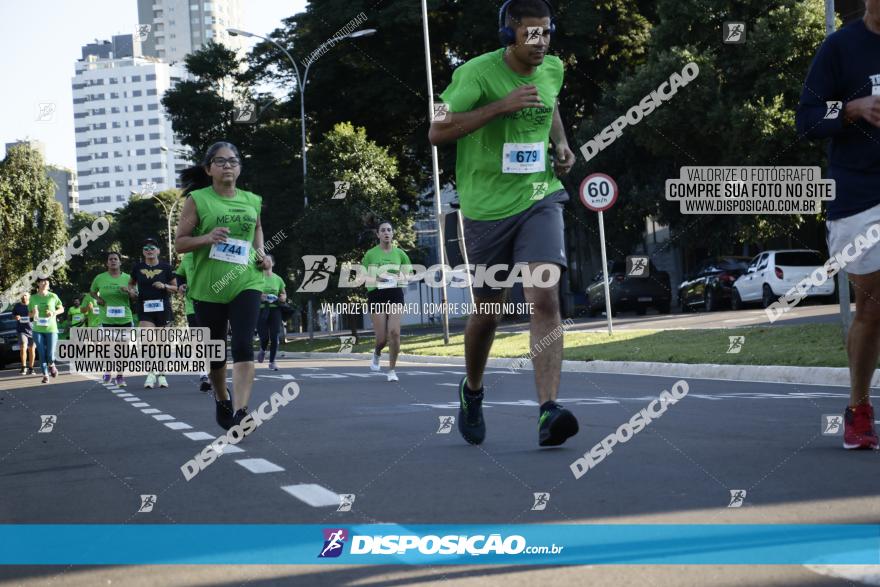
<point x="82" y="268"/>
<point x="738" y="111"/>
<point x="31" y="221"/>
<point x="344" y="227"/>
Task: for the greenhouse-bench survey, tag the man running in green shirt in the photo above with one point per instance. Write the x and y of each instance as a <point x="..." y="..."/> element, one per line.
<point x="91" y="310"/>
<point x="501" y="110"/>
<point x="110" y="289"/>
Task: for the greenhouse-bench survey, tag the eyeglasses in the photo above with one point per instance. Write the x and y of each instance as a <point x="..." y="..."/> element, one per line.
<point x="150" y="247"/>
<point x="222" y="161"/>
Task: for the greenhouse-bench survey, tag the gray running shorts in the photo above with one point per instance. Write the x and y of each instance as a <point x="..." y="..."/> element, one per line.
<point x="536" y="234"/>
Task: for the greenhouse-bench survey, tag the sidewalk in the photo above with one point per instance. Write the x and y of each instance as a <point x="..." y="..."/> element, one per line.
<point x="826" y="376"/>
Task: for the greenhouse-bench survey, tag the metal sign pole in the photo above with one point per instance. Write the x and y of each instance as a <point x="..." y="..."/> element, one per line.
<point x="605" y="273"/>
<point x="436" y="175"/>
<point x="598" y="192"/>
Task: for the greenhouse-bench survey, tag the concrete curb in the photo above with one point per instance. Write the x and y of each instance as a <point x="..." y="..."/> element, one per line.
<point x="829" y="376"/>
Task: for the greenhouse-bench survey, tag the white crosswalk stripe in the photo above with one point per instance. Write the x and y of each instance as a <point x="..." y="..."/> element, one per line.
<point x="312" y="494"/>
<point x="259" y="466"/>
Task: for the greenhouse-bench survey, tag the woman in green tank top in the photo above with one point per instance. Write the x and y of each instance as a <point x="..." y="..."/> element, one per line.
<point x="220" y="226"/>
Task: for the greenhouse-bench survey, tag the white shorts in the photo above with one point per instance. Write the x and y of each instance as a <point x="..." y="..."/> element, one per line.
<point x="844" y="232"/>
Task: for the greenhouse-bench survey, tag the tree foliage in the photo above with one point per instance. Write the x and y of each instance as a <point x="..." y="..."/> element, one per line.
<point x="31" y="221"/>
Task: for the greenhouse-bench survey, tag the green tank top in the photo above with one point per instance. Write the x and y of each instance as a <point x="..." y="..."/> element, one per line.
<point x="221" y="272"/>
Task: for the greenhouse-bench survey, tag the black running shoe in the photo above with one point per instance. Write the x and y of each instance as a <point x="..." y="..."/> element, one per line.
<point x="239" y="416"/>
<point x="205" y="385"/>
<point x="225" y="416"/>
<point x="470" y="415"/>
<point x="555" y="425"/>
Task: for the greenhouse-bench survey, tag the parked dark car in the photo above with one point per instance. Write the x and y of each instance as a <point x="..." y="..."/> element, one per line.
<point x="711" y="285"/>
<point x="630" y="293"/>
<point x="8" y="340"/>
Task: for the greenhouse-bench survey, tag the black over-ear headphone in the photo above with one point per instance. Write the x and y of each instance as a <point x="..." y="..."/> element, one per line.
<point x="507" y="35"/>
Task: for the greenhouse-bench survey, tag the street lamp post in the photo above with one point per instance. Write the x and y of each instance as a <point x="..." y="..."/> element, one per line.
<point x="301" y="82"/>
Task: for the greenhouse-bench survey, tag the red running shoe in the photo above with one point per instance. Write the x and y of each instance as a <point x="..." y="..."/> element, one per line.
<point x="858" y="431"/>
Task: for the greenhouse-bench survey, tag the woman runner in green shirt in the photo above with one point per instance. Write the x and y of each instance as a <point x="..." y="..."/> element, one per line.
<point x="44" y="307"/>
<point x="384" y="264"/>
<point x="220" y="225"/>
<point x="269" y="324"/>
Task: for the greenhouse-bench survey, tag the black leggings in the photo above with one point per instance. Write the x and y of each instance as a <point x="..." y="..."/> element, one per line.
<point x="269" y="328"/>
<point x="240" y="314"/>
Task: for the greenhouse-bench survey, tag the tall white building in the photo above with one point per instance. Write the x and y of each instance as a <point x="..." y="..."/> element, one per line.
<point x="180" y="27"/>
<point x="124" y="139"/>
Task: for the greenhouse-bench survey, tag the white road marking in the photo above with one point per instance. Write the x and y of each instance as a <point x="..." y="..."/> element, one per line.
<point x="259" y="465"/>
<point x="132" y="399"/>
<point x="178" y="425"/>
<point x="449" y="384"/>
<point x="151" y="411"/>
<point x="198" y="436"/>
<point x="141" y="405"/>
<point x="163" y="417"/>
<point x="125" y="395"/>
<point x="313" y="495"/>
<point x="231" y="448"/>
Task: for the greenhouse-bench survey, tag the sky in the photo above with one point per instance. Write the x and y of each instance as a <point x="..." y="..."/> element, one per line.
<point x="41" y="40"/>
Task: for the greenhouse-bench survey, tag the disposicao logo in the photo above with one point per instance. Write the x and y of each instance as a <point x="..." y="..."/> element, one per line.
<point x="334" y="540"/>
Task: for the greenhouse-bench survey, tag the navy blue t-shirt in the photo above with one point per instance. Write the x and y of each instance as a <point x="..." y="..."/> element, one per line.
<point x="20" y="309"/>
<point x="846" y="67"/>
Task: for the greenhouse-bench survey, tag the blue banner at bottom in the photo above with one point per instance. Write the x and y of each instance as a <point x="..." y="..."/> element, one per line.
<point x="526" y="544"/>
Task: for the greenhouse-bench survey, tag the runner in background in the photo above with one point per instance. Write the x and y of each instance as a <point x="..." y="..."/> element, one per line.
<point x="44" y="307"/>
<point x="150" y="283"/>
<point x="220" y="225"/>
<point x="24" y="328"/>
<point x="385" y="263"/>
<point x="184" y="270"/>
<point x="110" y="290"/>
<point x="91" y="310"/>
<point x="77" y="318"/>
<point x="269" y="324"/>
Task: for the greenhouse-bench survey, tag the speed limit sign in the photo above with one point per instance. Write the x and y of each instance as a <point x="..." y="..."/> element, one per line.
<point x="598" y="192"/>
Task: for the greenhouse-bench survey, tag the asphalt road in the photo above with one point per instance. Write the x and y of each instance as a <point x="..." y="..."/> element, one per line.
<point x="352" y="432"/>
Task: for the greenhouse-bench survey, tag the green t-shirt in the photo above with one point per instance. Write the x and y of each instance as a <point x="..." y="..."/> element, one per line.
<point x="77" y="318"/>
<point x="272" y="285"/>
<point x="185" y="270"/>
<point x="42" y="322"/>
<point x="93" y="314"/>
<point x="117" y="308"/>
<point x="376" y="257"/>
<point x="219" y="280"/>
<point x="485" y="190"/>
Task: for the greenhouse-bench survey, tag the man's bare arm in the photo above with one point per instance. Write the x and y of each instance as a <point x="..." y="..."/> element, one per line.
<point x="458" y="124"/>
<point x="557" y="131"/>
